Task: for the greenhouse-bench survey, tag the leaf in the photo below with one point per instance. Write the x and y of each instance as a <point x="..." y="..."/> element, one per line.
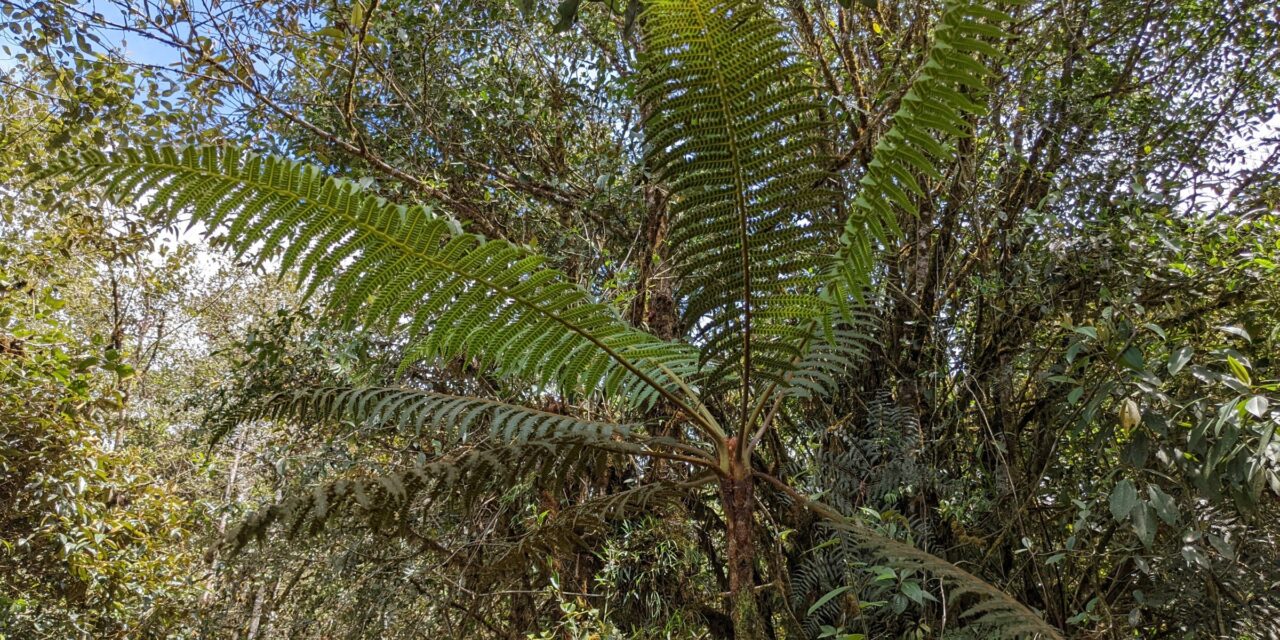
<point x="912" y="590"/>
<point x="1086" y="331"/>
<point x="389" y="264"/>
<point x="827" y="598"/>
<point x="1235" y="331"/>
<point x="1179" y="358"/>
<point x="1164" y="505"/>
<point x="1123" y="498"/>
<point x="746" y="238"/>
<point x="332" y="32"/>
<point x="1257" y="405"/>
<point x="1155" y="328"/>
<point x="1144" y="524"/>
<point x="1132" y="358"/>
<point x="1074" y="396"/>
<point x="1239" y="371"/>
<point x="1074" y="350"/>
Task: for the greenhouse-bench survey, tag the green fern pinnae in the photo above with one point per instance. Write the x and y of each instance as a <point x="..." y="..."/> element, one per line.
<point x="450" y="419"/>
<point x="863" y="471"/>
<point x="937" y="105"/>
<point x="734" y="133"/>
<point x="565" y="529"/>
<point x="990" y="606"/>
<point x="386" y="499"/>
<point x="833" y="346"/>
<point x="459" y="294"/>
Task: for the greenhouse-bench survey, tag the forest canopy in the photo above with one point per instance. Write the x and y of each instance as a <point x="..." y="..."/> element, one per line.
<point x="724" y="319"/>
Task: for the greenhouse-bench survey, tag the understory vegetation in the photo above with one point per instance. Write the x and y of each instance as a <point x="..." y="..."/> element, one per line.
<point x="640" y="319"/>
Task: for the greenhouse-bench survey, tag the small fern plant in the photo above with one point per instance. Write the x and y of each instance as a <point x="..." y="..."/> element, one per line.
<point x="772" y="256"/>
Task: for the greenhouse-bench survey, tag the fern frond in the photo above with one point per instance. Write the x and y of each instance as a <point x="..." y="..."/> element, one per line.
<point x="448" y="418"/>
<point x="460" y="294"/>
<point x="937" y="105"/>
<point x="567" y="528"/>
<point x="990" y="606"/>
<point x="829" y="355"/>
<point x="734" y="133"/>
<point x="386" y="499"/>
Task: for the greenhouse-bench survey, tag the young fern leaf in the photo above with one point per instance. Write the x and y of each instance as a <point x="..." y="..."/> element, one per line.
<point x="938" y="104"/>
<point x="457" y="293"/>
<point x="734" y="132"/>
<point x="453" y="420"/>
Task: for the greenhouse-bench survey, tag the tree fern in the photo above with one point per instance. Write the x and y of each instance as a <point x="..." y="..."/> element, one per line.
<point x="462" y="295"/>
<point x="765" y="280"/>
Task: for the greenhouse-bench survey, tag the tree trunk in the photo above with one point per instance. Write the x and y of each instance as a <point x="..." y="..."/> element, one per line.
<point x="738" y="494"/>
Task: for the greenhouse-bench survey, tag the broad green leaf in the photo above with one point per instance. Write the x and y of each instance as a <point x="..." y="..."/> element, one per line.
<point x="1087" y="331"/>
<point x="1132" y="358"/>
<point x="1075" y="394"/>
<point x="1235" y="331"/>
<point x="1124" y="497"/>
<point x="827" y="598"/>
<point x="1164" y="505"/>
<point x="912" y="590"/>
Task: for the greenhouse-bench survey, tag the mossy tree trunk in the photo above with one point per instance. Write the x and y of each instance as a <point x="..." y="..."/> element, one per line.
<point x="737" y="490"/>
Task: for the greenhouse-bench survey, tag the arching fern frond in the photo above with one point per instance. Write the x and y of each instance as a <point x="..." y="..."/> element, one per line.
<point x="983" y="604"/>
<point x="734" y="132"/>
<point x="448" y="418"/>
<point x="830" y="353"/>
<point x="385" y="500"/>
<point x="458" y="293"/>
<point x="937" y="105"/>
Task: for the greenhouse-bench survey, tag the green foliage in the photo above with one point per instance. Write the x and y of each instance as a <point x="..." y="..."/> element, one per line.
<point x="734" y="131"/>
<point x="91" y="542"/>
<point x="386" y="499"/>
<point x="445" y="419"/>
<point x="1079" y="368"/>
<point x="941" y="102"/>
<point x="467" y="296"/>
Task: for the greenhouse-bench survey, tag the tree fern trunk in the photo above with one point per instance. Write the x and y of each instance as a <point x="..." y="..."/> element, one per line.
<point x="738" y="493"/>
